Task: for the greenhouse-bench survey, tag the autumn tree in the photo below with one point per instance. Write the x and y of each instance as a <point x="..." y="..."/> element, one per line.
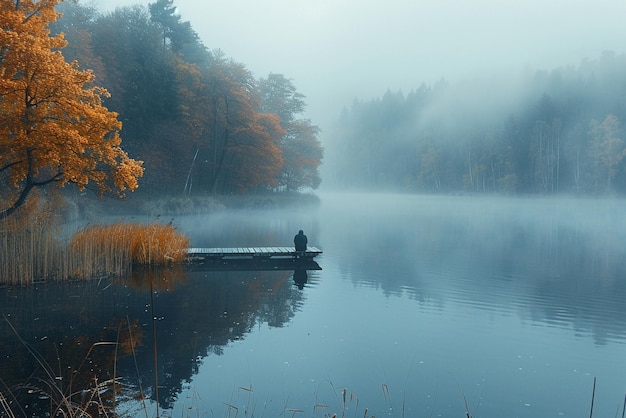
<point x="303" y="155"/>
<point x="53" y="126"/>
<point x="255" y="158"/>
<point x="301" y="148"/>
<point x="194" y="116"/>
<point x="236" y="144"/>
<point x="243" y="151"/>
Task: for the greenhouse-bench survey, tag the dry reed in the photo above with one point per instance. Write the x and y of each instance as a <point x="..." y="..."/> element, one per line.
<point x="80" y="392"/>
<point x="111" y="249"/>
<point x="31" y="251"/>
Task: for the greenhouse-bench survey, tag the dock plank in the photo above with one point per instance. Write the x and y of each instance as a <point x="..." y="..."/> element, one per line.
<point x="251" y="252"/>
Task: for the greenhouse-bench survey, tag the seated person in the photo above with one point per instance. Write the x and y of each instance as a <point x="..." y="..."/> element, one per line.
<point x="300" y="241"/>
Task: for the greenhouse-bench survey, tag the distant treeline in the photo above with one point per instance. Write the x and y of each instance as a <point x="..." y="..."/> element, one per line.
<point x="200" y="121"/>
<point x="539" y="132"/>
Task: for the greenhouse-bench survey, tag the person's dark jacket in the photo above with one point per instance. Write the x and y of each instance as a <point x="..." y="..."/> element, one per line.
<point x="300" y="241"/>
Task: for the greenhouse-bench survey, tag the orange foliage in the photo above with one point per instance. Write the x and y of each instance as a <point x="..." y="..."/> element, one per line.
<point x="53" y="128"/>
<point x="257" y="158"/>
<point x="303" y="155"/>
<point x="238" y="144"/>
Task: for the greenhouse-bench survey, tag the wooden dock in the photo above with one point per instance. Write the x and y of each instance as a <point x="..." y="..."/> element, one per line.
<point x="251" y="253"/>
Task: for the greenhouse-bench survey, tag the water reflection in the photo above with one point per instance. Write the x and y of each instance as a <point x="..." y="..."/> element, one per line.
<point x="510" y="296"/>
<point x="558" y="262"/>
<point x="71" y="334"/>
<point x="300" y="278"/>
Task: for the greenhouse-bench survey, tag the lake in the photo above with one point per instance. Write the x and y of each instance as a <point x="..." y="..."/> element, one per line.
<point x="425" y="306"/>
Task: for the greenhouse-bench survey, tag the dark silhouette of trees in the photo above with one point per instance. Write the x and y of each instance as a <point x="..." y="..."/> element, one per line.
<point x="200" y="121"/>
<point x="179" y="35"/>
<point x="556" y="131"/>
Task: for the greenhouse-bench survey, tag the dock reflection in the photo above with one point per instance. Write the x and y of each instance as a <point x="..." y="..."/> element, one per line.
<point x="300" y="267"/>
<point x="181" y="313"/>
<point x="255" y="265"/>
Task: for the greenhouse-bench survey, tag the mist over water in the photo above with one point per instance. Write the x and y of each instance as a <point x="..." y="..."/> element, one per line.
<point x="515" y="302"/>
<point x="423" y="303"/>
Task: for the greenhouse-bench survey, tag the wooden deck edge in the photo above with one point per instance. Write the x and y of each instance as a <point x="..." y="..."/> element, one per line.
<point x="195" y="255"/>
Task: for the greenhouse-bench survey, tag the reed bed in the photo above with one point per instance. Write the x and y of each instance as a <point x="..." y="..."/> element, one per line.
<point x="31" y="250"/>
<point x="112" y="249"/>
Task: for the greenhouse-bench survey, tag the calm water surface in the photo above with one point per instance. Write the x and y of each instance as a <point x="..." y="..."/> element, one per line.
<point x="424" y="306"/>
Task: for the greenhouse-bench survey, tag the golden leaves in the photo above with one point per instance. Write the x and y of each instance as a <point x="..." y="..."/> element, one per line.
<point x="52" y="126"/>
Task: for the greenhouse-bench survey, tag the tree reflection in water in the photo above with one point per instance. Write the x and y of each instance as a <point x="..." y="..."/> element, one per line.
<point x="65" y="337"/>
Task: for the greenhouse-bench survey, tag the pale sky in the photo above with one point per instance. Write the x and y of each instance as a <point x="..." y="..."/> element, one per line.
<point x="336" y="50"/>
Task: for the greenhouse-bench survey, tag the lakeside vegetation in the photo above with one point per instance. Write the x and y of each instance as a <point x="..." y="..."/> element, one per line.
<point x="33" y="250"/>
<point x="110" y="249"/>
<point x="196" y="124"/>
<point x="29" y="248"/>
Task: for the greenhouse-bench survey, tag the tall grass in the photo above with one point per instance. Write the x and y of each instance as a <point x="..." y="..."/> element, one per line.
<point x="31" y="250"/>
<point x="75" y="391"/>
<point x="112" y="249"/>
